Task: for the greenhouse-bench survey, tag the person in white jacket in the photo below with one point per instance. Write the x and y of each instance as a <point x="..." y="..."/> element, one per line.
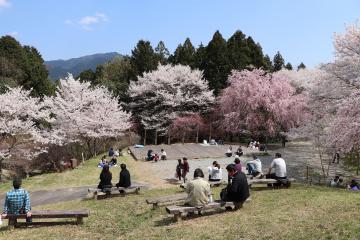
<point x="215" y="172"/>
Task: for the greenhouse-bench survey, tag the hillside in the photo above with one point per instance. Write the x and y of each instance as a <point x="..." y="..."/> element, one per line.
<point x="60" y="68"/>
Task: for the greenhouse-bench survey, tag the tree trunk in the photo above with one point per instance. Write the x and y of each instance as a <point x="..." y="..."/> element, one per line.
<point x="169" y="138"/>
<point x="94" y="153"/>
<point x="156" y="136"/>
<point x="197" y="134"/>
<point x="183" y="138"/>
<point x="145" y="137"/>
<point x="358" y="164"/>
<point x="130" y="142"/>
<point x="210" y="132"/>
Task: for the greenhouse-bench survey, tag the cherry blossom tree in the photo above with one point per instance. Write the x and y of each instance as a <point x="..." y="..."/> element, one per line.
<point x="162" y="95"/>
<point x="184" y="125"/>
<point x="23" y="135"/>
<point x="85" y="113"/>
<point x="261" y="103"/>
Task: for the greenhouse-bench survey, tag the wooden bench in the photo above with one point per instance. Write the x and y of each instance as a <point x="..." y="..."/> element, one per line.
<point x="107" y="192"/>
<point x="212" y="184"/>
<point x="261" y="181"/>
<point x="178" y="211"/>
<point x="37" y="214"/>
<point x="170" y="199"/>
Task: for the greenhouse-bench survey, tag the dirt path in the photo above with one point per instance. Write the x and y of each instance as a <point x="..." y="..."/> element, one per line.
<point x="44" y="197"/>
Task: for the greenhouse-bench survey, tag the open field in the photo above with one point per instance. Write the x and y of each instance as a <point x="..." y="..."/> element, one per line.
<point x="298" y="213"/>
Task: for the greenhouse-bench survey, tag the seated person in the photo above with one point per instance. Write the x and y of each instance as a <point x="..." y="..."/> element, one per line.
<point x="279" y="166"/>
<point x="213" y="142"/>
<point x="111" y="152"/>
<point x="215" y="172"/>
<point x="102" y="162"/>
<point x="113" y="161"/>
<point x="257" y="145"/>
<point x="239" y="151"/>
<point x="237" y="190"/>
<point x="254" y="167"/>
<point x="198" y="190"/>
<point x="163" y="154"/>
<point x="17" y="201"/>
<point x="150" y="155"/>
<point x="156" y="157"/>
<point x="105" y="178"/>
<point x="335" y="182"/>
<point x="124" y="178"/>
<point x="354" y="186"/>
<point x="229" y="152"/>
<point x="251" y="144"/>
<point x="237" y="164"/>
<point x="205" y="142"/>
<point x="116" y="153"/>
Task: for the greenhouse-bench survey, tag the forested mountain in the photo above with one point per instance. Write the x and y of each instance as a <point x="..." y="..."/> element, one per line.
<point x="60" y="68"/>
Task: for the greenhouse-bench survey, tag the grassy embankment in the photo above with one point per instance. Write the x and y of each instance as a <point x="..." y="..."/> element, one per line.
<point x="301" y="212"/>
<point x="86" y="174"/>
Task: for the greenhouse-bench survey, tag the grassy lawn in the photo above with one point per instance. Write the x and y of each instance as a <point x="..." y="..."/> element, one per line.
<point x="298" y="213"/>
<point x="86" y="174"/>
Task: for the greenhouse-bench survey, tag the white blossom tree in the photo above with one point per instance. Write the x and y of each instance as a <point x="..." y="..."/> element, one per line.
<point x="23" y="135"/>
<point x="160" y="96"/>
<point x="85" y="113"/>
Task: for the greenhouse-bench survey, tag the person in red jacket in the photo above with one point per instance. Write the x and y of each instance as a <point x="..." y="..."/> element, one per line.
<point x="185" y="168"/>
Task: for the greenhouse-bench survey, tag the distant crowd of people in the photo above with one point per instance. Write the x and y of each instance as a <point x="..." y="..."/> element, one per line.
<point x="338" y="182"/>
<point x="152" y="156"/>
<point x="113" y="159"/>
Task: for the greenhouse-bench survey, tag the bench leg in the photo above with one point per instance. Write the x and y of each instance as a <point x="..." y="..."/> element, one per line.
<point x="79" y="221"/>
<point x="137" y="190"/>
<point x="155" y="206"/>
<point x="177" y="217"/>
<point x="238" y="205"/>
<point x="12" y="222"/>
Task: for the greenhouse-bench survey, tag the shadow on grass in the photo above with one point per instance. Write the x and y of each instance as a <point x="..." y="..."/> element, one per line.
<point x="188" y="217"/>
<point x="172" y="181"/>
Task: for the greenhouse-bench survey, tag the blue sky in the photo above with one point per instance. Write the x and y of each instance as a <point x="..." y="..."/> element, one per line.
<point x="61" y="29"/>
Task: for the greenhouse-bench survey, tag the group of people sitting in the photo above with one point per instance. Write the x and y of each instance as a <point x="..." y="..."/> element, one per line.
<point x="254" y="145"/>
<point x="113" y="161"/>
<point x="239" y="152"/>
<point x="199" y="193"/>
<point x="151" y="156"/>
<point x="106" y="177"/>
<point x="338" y="182"/>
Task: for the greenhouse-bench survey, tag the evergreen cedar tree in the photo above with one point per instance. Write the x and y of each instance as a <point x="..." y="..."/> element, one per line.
<point x="23" y="66"/>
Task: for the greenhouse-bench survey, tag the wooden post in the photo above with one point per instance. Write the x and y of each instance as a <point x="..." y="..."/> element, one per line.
<point x="145" y="137"/>
<point x="177" y="217"/>
<point x="155" y="136"/>
<point x="79" y="220"/>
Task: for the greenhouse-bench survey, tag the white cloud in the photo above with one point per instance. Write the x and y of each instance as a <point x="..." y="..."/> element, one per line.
<point x="68" y="22"/>
<point x="87" y="21"/>
<point x="4" y="3"/>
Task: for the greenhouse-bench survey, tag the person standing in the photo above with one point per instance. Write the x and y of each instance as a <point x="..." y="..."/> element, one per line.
<point x="124" y="178"/>
<point x="185" y="168"/>
<point x="237" y="190"/>
<point x="198" y="190"/>
<point x="105" y="178"/>
<point x="179" y="167"/>
<point x="17" y="201"/>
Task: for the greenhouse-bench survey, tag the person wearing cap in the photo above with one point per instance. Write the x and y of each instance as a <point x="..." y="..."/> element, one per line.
<point x="237" y="190"/>
<point x="17" y="201"/>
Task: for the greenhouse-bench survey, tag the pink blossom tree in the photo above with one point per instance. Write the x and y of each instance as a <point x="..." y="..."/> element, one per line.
<point x="162" y="95"/>
<point x="22" y="134"/>
<point x="261" y="103"/>
<point x="184" y="125"/>
<point x="85" y="113"/>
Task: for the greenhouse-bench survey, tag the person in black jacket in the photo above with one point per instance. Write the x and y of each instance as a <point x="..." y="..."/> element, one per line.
<point x="124" y="179"/>
<point x="237" y="190"/>
<point x="105" y="178"/>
